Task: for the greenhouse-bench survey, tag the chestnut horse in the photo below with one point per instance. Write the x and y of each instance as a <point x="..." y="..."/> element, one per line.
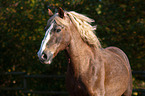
<point x="93" y="70"/>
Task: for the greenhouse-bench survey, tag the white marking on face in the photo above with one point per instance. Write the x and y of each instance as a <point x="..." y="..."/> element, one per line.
<point x="45" y="40"/>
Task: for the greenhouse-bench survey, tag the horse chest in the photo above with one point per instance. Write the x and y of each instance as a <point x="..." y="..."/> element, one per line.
<point x="81" y="83"/>
<point x="76" y="87"/>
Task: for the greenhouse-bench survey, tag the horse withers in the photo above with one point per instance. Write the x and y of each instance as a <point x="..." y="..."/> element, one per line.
<point x="93" y="70"/>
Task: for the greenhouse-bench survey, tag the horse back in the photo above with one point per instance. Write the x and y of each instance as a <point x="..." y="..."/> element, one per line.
<point x="120" y="53"/>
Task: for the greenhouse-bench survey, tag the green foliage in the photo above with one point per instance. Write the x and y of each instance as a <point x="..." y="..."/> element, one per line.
<point x="120" y="23"/>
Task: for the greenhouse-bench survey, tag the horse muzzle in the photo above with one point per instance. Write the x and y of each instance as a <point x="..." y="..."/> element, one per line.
<point x="46" y="57"/>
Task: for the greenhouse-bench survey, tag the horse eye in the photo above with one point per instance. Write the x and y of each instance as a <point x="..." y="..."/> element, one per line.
<point x="58" y="30"/>
<point x="45" y="29"/>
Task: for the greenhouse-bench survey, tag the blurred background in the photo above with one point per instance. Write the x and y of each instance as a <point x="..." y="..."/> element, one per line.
<point x="120" y="23"/>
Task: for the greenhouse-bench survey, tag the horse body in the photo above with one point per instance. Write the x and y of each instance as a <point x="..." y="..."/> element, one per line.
<point x="92" y="71"/>
<point x="115" y="78"/>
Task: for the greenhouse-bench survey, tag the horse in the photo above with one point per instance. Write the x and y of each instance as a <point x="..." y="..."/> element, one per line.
<point x="92" y="70"/>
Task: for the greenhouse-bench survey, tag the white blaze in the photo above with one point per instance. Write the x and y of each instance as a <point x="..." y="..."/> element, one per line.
<point x="45" y="40"/>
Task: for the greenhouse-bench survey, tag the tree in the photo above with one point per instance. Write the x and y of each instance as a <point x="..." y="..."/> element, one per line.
<point x="120" y="23"/>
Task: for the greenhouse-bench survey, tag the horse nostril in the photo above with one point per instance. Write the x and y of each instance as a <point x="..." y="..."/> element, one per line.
<point x="44" y="56"/>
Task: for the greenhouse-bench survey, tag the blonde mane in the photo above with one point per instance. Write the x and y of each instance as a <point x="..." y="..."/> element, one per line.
<point x="82" y="23"/>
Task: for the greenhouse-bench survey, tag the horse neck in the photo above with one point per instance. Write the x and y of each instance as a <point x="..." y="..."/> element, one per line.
<point x="80" y="53"/>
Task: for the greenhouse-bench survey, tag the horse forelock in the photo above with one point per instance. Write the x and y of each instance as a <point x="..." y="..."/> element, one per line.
<point x="82" y="23"/>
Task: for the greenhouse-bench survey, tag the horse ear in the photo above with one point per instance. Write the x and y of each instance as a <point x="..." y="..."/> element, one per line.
<point x="60" y="12"/>
<point x="50" y="13"/>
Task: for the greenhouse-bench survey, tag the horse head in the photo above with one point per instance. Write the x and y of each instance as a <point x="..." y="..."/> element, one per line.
<point x="57" y="37"/>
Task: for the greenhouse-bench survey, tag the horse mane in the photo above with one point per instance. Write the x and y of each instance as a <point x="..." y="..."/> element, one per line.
<point x="83" y="25"/>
